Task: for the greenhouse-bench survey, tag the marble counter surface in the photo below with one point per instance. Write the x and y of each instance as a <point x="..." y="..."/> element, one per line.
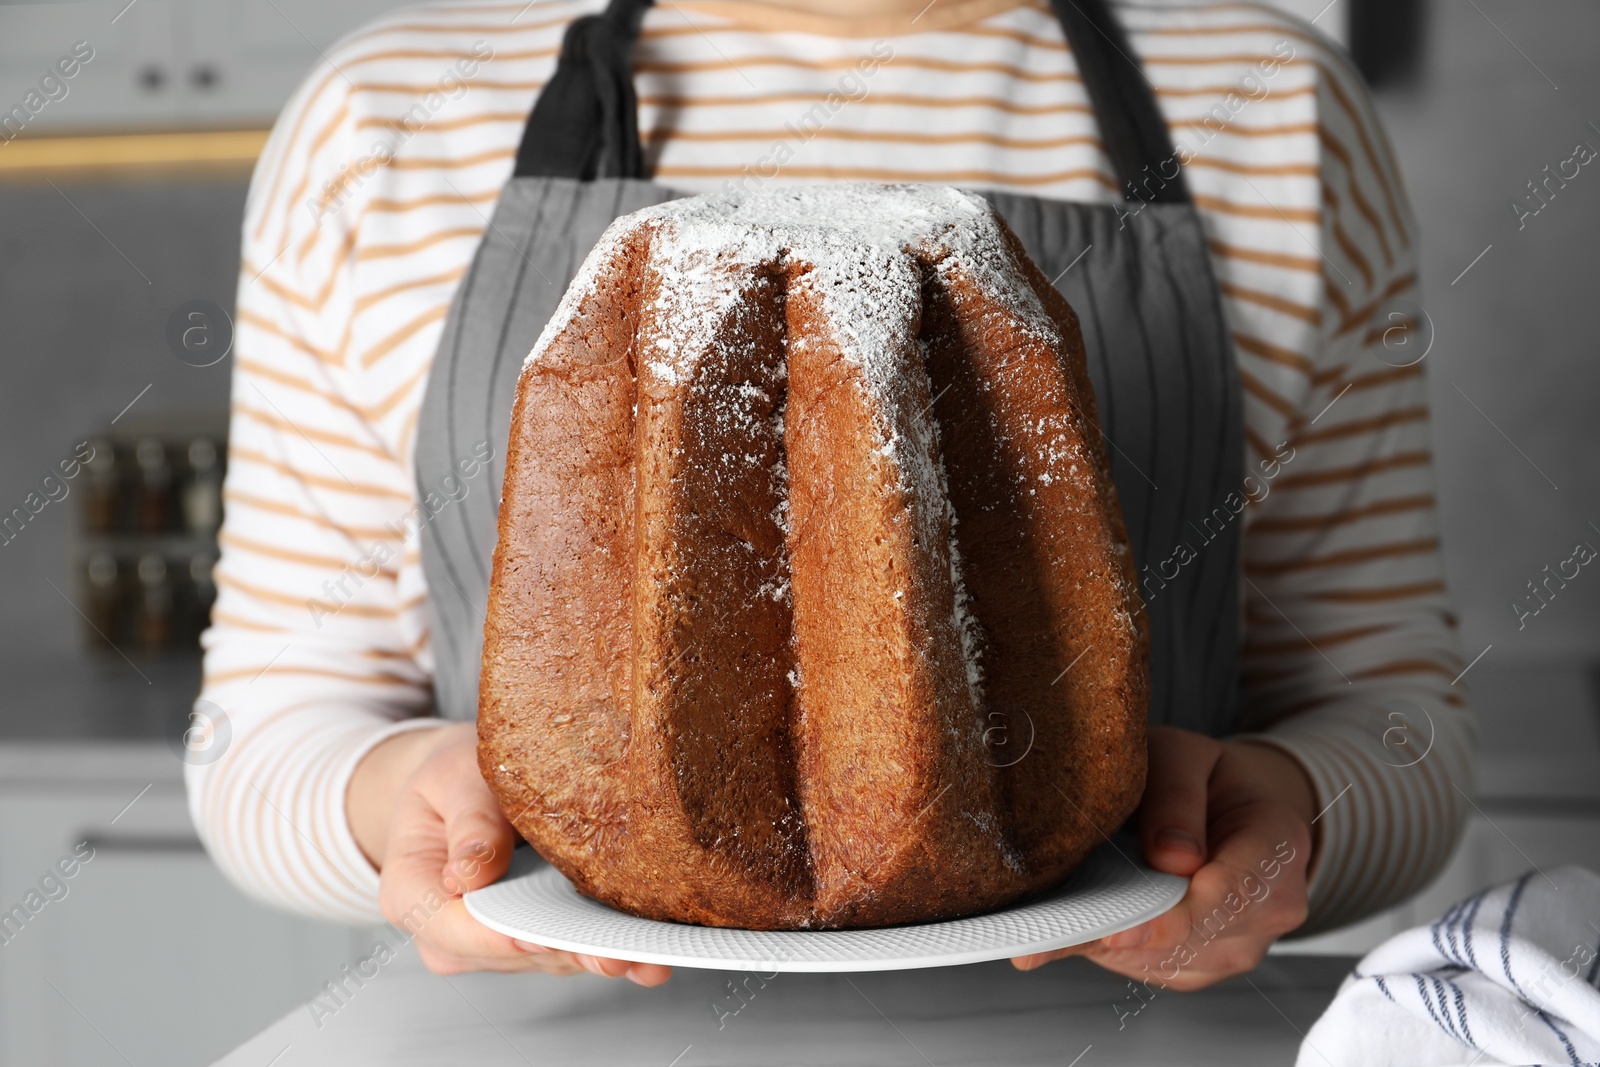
<point x="1069" y="1013"/>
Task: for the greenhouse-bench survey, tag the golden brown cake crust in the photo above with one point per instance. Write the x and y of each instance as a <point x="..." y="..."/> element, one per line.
<point x="806" y="537"/>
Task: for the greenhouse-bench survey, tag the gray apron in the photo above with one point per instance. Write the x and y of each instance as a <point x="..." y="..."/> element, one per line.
<point x="1138" y="275"/>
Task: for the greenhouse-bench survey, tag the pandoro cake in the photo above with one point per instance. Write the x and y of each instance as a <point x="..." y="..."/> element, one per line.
<point x="812" y="605"/>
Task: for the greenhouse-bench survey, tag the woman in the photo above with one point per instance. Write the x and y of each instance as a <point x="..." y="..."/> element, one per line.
<point x="1330" y="743"/>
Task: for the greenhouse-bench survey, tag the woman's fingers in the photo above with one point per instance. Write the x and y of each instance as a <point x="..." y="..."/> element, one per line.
<point x="1248" y="807"/>
<point x="1172" y="826"/>
<point x="413" y="862"/>
<point x="441" y="962"/>
<point x="606" y="968"/>
<point x="478" y="838"/>
<point x="1254" y="883"/>
<point x="1039" y="959"/>
<point x="1172" y="819"/>
<point x="447" y="836"/>
<point x="645" y="974"/>
<point x="1253" y="886"/>
<point x="1250" y="891"/>
<point x="648" y="974"/>
<point x="450" y="937"/>
<point x="453" y="929"/>
<point x="1172" y="816"/>
<point x="478" y="841"/>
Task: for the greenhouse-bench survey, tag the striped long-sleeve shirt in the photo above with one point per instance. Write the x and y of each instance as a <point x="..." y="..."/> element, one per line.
<point x="377" y="185"/>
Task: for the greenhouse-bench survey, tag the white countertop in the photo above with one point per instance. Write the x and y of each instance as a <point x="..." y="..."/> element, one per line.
<point x="1069" y="1013"/>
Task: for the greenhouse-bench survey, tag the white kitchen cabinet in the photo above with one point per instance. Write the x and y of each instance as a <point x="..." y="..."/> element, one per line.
<point x="167" y="63"/>
<point x="150" y="956"/>
<point x="107" y="90"/>
<point x="260" y="52"/>
<point x="212" y="63"/>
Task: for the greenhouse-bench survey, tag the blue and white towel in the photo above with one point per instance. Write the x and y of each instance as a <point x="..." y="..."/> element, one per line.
<point x="1506" y="977"/>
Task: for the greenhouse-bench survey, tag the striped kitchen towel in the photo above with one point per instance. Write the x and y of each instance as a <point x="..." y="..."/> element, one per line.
<point x="1505" y="977"/>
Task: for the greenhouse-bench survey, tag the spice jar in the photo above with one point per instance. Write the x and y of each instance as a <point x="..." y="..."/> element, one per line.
<point x="155" y="604"/>
<point x="153" y="502"/>
<point x="202" y="496"/>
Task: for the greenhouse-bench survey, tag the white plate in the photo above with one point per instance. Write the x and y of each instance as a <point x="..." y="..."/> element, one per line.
<point x="1108" y="892"/>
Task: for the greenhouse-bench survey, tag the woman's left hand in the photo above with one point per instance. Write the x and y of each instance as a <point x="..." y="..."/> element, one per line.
<point x="1235" y="818"/>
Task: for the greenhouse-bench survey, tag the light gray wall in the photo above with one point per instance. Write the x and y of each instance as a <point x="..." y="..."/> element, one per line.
<point x="82" y="332"/>
<point x="1517" y="334"/>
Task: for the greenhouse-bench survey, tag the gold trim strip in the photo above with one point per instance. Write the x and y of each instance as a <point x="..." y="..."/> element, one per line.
<point x="132" y="155"/>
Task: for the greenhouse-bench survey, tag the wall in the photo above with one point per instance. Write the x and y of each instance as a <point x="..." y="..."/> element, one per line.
<point x="89" y="277"/>
<point x="1516" y="334"/>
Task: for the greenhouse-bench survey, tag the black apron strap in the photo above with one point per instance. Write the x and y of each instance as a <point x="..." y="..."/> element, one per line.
<point x="1164" y="376"/>
<point x="1132" y="129"/>
<point x="585" y="121"/>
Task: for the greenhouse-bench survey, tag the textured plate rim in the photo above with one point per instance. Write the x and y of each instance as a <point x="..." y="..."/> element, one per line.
<point x="1176" y="887"/>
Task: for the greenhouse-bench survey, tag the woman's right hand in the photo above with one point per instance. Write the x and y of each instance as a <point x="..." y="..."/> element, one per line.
<point x="420" y="811"/>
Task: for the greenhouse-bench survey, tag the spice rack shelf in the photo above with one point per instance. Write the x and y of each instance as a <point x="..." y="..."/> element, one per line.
<point x="145" y="535"/>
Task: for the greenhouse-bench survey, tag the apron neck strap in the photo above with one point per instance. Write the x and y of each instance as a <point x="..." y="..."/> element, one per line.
<point x="1132" y="129"/>
<point x="585" y="121"/>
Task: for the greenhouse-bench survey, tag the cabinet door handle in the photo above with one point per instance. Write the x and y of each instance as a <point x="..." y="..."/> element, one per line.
<point x="145" y="843"/>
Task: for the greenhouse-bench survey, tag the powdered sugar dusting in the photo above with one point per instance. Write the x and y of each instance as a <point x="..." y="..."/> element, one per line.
<point x="863" y="250"/>
<point x="858" y="239"/>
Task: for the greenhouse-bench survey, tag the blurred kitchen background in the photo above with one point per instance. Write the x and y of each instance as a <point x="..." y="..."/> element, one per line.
<point x="119" y="214"/>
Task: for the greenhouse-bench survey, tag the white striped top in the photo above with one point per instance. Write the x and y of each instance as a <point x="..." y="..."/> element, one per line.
<point x="376" y="186"/>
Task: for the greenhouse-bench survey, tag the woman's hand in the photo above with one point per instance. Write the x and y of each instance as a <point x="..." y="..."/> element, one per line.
<point x="1235" y="817"/>
<point x="420" y="810"/>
